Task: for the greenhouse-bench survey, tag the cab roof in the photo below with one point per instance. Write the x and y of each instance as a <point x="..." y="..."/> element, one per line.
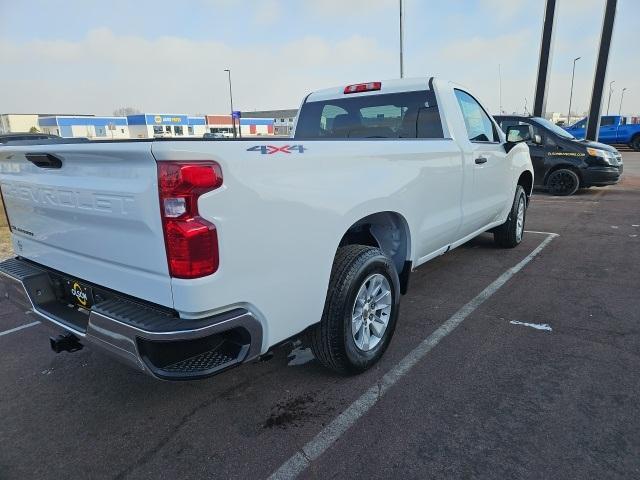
<point x="387" y="86"/>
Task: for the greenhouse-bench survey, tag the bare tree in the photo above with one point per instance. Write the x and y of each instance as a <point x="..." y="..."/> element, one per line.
<point x="124" y="111"/>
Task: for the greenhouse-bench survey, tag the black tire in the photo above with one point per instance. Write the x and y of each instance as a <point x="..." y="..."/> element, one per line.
<point x="563" y="182"/>
<point x="635" y="143"/>
<point x="510" y="234"/>
<point x="332" y="341"/>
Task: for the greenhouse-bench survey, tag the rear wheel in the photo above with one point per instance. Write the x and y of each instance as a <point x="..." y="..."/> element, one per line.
<point x="635" y="143"/>
<point x="563" y="182"/>
<point x="511" y="232"/>
<point x="360" y="311"/>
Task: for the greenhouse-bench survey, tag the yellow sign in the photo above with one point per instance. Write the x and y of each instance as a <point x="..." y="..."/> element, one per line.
<point x="80" y="294"/>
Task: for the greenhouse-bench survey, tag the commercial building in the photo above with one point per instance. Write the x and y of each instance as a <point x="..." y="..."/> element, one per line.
<point x="150" y="125"/>
<point x="283" y="120"/>
<point x="221" y="124"/>
<point x="88" y="126"/>
<point x="18" y="122"/>
<point x="25" y="122"/>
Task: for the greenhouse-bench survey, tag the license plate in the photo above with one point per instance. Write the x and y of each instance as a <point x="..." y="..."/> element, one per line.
<point x="80" y="294"/>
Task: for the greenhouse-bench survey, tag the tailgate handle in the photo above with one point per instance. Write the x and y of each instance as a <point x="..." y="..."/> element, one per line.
<point x="44" y="160"/>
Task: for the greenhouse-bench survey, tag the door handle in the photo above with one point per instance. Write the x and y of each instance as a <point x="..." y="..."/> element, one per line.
<point x="481" y="160"/>
<point x="44" y="160"/>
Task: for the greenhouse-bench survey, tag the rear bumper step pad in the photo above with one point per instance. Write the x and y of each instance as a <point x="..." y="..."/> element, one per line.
<point x="151" y="339"/>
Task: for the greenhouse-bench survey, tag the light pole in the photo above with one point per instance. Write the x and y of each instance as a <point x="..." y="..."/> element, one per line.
<point x="233" y="120"/>
<point x="610" y="92"/>
<point x="621" y="97"/>
<point x="401" y="41"/>
<point x="500" y="89"/>
<point x="571" y="91"/>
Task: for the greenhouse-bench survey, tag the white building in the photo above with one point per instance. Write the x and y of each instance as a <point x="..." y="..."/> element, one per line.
<point x="94" y="128"/>
<point x="283" y="120"/>
<point x="18" y="122"/>
<point x="151" y="125"/>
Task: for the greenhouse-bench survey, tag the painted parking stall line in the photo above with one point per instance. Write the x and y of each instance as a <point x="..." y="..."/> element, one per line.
<point x="21" y="327"/>
<point x="334" y="430"/>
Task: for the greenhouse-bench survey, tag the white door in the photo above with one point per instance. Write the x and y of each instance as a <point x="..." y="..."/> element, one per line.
<point x="486" y="167"/>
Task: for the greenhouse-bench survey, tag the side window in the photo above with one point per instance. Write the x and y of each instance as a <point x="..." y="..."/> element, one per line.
<point x="479" y="126"/>
<point x="606" y="121"/>
<point x="547" y="141"/>
<point x="580" y="124"/>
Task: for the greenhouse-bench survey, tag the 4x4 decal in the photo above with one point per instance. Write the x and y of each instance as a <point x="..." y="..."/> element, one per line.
<point x="271" y="149"/>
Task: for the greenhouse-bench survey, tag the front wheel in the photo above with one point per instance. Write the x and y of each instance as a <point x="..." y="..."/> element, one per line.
<point x="563" y="182"/>
<point x="510" y="233"/>
<point x="360" y="311"/>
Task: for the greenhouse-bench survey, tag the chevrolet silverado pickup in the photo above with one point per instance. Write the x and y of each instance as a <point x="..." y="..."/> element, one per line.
<point x="187" y="257"/>
<point x="614" y="130"/>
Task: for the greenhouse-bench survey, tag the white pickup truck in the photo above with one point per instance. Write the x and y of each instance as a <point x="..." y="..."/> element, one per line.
<point x="187" y="257"/>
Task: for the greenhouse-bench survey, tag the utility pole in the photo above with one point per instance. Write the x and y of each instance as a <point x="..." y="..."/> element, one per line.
<point x="233" y="120"/>
<point x="610" y="92"/>
<point x="621" y="98"/>
<point x="401" y="41"/>
<point x="571" y="91"/>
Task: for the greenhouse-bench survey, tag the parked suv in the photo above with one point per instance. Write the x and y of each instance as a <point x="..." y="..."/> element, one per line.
<point x="562" y="163"/>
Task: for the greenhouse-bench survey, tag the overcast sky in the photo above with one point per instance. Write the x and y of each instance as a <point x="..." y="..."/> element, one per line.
<point x="83" y="56"/>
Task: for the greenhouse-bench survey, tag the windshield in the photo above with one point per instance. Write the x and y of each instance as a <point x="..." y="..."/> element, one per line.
<point x="554" y="128"/>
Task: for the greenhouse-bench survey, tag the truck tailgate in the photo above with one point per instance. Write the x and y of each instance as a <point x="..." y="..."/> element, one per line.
<point x="91" y="211"/>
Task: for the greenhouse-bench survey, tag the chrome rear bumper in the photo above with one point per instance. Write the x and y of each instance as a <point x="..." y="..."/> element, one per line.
<point x="148" y="338"/>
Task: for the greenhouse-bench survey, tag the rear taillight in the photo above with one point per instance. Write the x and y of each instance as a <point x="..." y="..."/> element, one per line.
<point x="363" y="87"/>
<point x="191" y="241"/>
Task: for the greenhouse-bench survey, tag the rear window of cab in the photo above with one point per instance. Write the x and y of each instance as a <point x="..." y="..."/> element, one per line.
<point x="392" y="115"/>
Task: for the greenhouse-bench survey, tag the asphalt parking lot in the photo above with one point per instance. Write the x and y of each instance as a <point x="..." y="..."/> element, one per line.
<point x="494" y="398"/>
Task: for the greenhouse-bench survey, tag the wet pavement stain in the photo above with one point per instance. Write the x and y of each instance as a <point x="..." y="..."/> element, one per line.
<point x="295" y="411"/>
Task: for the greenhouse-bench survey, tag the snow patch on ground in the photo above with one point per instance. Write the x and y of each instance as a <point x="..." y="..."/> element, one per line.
<point x="537" y="326"/>
<point x="299" y="356"/>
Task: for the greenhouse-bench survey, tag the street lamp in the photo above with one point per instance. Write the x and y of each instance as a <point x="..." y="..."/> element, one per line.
<point x="571" y="91"/>
<point x="500" y="89"/>
<point x="233" y="120"/>
<point x="610" y="92"/>
<point x="621" y="97"/>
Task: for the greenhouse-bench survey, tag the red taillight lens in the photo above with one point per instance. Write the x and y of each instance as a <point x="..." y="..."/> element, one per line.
<point x="191" y="241"/>
<point x="363" y="87"/>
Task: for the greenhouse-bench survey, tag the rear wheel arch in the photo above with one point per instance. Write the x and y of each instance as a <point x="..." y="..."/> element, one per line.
<point x="635" y="142"/>
<point x="388" y="231"/>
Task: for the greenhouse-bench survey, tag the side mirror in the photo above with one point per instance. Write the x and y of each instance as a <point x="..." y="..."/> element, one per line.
<point x="537" y="139"/>
<point x="519" y="133"/>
